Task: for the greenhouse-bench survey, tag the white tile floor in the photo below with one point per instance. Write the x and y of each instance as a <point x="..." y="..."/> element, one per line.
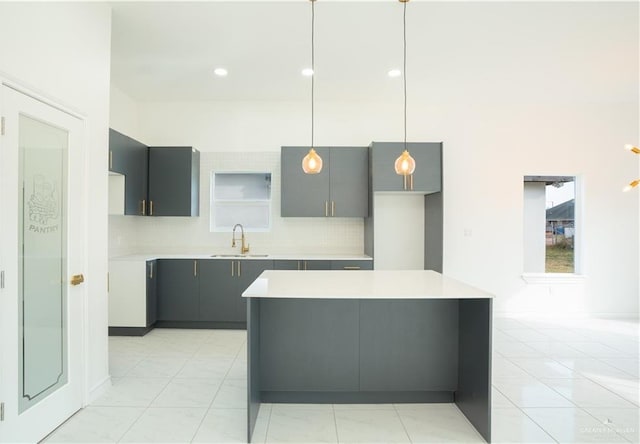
<point x="553" y="381"/>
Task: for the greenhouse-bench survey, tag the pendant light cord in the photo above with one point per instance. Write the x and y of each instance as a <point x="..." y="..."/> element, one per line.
<point x="404" y="68"/>
<point x="313" y="68"/>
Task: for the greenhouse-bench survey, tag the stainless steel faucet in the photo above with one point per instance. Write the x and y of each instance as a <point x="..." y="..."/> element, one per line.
<point x="244" y="248"/>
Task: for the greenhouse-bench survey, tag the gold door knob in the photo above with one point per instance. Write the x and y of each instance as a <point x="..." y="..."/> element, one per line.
<point x="77" y="279"/>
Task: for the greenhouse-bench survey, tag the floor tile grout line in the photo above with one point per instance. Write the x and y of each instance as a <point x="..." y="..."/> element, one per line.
<point x="404" y="427"/>
<point x="208" y="409"/>
<point x="618" y="368"/>
<point x="266" y="432"/>
<point x="539" y="425"/>
<point x="335" y="423"/>
<point x="532" y="420"/>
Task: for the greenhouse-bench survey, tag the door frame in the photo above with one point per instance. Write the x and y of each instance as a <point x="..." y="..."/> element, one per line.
<point x="82" y="329"/>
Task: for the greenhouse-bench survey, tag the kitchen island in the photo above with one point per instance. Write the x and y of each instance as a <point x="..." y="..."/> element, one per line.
<point x="369" y="337"/>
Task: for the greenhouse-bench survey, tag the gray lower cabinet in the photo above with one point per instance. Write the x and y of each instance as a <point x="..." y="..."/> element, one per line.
<point x="297" y="334"/>
<point x="352" y="265"/>
<point x="178" y="290"/>
<point x="195" y="290"/>
<point x="217" y="291"/>
<point x="301" y="265"/>
<point x="249" y="270"/>
<point x="129" y="158"/>
<point x="174" y="181"/>
<point x="427" y="331"/>
<point x="152" y="292"/>
<point x="427" y="177"/>
<point x="222" y="283"/>
<point x="210" y="290"/>
<point x="341" y="189"/>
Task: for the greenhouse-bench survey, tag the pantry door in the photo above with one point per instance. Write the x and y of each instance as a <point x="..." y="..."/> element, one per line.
<point x="41" y="265"/>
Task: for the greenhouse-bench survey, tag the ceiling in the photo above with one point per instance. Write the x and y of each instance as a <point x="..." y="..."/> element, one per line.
<point x="574" y="51"/>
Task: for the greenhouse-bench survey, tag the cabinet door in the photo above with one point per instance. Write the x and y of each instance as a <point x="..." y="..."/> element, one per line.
<point x="174" y="181"/>
<point x="152" y="292"/>
<point x="287" y="265"/>
<point x="129" y="157"/>
<point x="248" y="271"/>
<point x="317" y="265"/>
<point x="427" y="177"/>
<point x="117" y="151"/>
<point x="303" y="195"/>
<point x="352" y="265"/>
<point x="349" y="189"/>
<point x="218" y="290"/>
<point x="178" y="290"/>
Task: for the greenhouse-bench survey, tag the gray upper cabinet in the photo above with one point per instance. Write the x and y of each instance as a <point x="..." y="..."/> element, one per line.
<point x="339" y="190"/>
<point x="174" y="181"/>
<point x="129" y="158"/>
<point x="427" y="177"/>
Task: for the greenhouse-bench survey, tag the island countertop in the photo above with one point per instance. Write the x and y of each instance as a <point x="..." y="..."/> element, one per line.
<point x="366" y="284"/>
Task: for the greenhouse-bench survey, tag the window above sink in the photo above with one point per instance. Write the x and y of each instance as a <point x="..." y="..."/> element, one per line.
<point x="240" y="198"/>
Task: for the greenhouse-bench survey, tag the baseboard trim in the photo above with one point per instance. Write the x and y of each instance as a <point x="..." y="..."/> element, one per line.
<point x="99" y="389"/>
<point x="129" y="331"/>
<point x="357" y="397"/>
<point x="225" y="325"/>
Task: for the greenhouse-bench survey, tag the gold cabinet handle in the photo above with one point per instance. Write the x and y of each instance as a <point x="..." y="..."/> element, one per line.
<point x="195" y="268"/>
<point x="150" y="208"/>
<point x="233" y="267"/>
<point x="110" y="159"/>
<point x="411" y="182"/>
<point x="77" y="279"/>
<point x="326" y="208"/>
<point x="144" y="207"/>
<point x="351" y="267"/>
<point x="404" y="181"/>
<point x="239" y="272"/>
<point x="333" y="208"/>
<point x="305" y="265"/>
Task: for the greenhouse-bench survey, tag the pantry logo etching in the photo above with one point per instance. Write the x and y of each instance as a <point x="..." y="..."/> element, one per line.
<point x="43" y="206"/>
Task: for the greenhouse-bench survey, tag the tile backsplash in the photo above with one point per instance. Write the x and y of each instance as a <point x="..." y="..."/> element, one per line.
<point x="316" y="235"/>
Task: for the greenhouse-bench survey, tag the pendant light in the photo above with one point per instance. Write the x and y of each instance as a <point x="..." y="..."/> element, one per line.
<point x="405" y="165"/>
<point x="312" y="162"/>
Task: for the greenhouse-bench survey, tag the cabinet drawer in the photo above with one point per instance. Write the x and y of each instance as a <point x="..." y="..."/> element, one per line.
<point x="352" y="265"/>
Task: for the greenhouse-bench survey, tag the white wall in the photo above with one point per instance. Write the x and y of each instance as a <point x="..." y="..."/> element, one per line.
<point x="62" y="50"/>
<point x="534" y="219"/>
<point x="494" y="134"/>
<point x="398" y="231"/>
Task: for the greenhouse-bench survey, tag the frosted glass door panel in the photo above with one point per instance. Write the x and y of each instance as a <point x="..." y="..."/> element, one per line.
<point x="42" y="260"/>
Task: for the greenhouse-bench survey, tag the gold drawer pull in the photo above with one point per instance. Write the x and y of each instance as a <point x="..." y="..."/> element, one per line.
<point x="351" y="267"/>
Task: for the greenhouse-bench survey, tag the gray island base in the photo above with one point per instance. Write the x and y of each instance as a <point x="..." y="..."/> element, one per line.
<point x="369" y="337"/>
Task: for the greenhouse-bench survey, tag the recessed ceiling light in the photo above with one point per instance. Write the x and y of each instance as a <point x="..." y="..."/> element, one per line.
<point x="308" y="72"/>
<point x="394" y="73"/>
<point x="220" y="72"/>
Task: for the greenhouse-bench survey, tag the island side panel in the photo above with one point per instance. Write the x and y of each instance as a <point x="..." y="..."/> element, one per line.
<point x="253" y="364"/>
<point x="308" y="345"/>
<point x="473" y="396"/>
<point x="409" y="346"/>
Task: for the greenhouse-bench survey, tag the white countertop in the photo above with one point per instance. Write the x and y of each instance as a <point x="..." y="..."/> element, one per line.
<point x="367" y="284"/>
<point x="248" y="256"/>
